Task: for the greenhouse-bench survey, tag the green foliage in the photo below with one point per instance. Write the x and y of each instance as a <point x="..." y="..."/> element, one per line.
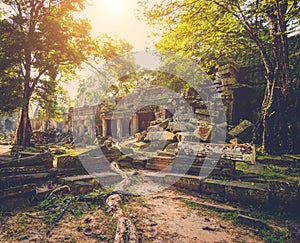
<point x="249" y="32"/>
<point x="55" y="206"/>
<point x="273" y="172"/>
<point x="114" y="79"/>
<point x="48" y="33"/>
<point x="1" y="215"/>
<point x="212" y="32"/>
<point x="52" y="100"/>
<point x="276" y="236"/>
<point x="167" y="80"/>
<point x="10" y="85"/>
<point x="41" y="43"/>
<point x="294" y="50"/>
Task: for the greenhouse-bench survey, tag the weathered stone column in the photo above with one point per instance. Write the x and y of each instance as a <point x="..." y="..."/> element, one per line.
<point x="229" y="79"/>
<point x="134" y="124"/>
<point x="81" y="129"/>
<point x="104" y="128"/>
<point x="119" y="128"/>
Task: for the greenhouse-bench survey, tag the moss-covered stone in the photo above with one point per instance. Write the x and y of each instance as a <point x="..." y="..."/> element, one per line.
<point x="284" y="194"/>
<point x="247" y="193"/>
<point x="184" y="181"/>
<point x="211" y="186"/>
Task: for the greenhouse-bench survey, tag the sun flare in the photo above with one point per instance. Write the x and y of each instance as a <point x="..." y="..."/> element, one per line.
<point x="113" y="5"/>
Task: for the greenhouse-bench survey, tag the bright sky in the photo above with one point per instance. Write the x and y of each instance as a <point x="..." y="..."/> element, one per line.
<point x="118" y="17"/>
<point x="115" y="17"/>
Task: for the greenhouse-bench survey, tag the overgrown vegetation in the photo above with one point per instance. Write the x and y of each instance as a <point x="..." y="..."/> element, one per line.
<point x="271" y="172"/>
<point x="77" y="216"/>
<point x="217" y="32"/>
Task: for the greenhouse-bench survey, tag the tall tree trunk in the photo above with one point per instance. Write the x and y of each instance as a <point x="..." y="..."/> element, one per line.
<point x="277" y="129"/>
<point x="278" y="124"/>
<point x="24" y="129"/>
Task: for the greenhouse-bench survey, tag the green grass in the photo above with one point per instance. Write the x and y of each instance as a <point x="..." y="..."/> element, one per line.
<point x="269" y="157"/>
<point x="273" y="236"/>
<point x="273" y="172"/>
<point x="75" y="151"/>
<point x="1" y="216"/>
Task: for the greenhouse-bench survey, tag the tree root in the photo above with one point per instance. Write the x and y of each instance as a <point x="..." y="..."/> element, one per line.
<point x="126" y="231"/>
<point x="62" y="213"/>
<point x="58" y="190"/>
<point x="126" y="180"/>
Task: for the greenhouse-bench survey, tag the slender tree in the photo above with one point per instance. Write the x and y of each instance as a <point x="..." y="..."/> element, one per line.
<point x="48" y="40"/>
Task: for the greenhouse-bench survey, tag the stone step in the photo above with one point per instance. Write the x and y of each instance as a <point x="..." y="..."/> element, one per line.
<point x="159" y="163"/>
<point x="71" y="172"/>
<point x="283" y="195"/>
<point x="16" y="196"/>
<point x="139" y="163"/>
<point x="188" y="182"/>
<point x="18" y="180"/>
<point x="214" y="171"/>
<point x="7" y="171"/>
<point x="166" y="154"/>
<point x="158" y="167"/>
<point x="237" y="191"/>
<point x="23" y="154"/>
<point x="44" y="159"/>
<point x="182" y="159"/>
<point x="97" y="179"/>
<point x="184" y="164"/>
<point x="72" y="165"/>
<point x="18" y="191"/>
<point x="82" y="187"/>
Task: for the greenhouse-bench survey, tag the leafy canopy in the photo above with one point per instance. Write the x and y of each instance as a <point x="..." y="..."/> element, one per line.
<point x="41" y="41"/>
<point x="213" y="31"/>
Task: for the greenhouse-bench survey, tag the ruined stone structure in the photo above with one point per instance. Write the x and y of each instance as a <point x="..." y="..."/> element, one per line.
<point x="241" y="90"/>
<point x="42" y="125"/>
<point x="7" y="124"/>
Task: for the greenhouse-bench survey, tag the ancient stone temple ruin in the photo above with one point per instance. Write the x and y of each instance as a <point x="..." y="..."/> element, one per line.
<point x="240" y="88"/>
<point x="235" y="87"/>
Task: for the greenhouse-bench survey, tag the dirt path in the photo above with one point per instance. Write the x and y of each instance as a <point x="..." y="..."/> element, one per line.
<point x="165" y="217"/>
<point x="162" y="217"/>
<point x="5" y="149"/>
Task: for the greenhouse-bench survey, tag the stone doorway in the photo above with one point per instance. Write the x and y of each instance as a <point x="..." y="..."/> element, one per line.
<point x="144" y="119"/>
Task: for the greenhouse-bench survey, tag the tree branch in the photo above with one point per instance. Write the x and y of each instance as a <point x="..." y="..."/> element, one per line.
<point x="36" y="80"/>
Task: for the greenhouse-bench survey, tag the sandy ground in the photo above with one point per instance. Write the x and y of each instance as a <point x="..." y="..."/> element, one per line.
<point x="5" y="149"/>
<point x="166" y="218"/>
